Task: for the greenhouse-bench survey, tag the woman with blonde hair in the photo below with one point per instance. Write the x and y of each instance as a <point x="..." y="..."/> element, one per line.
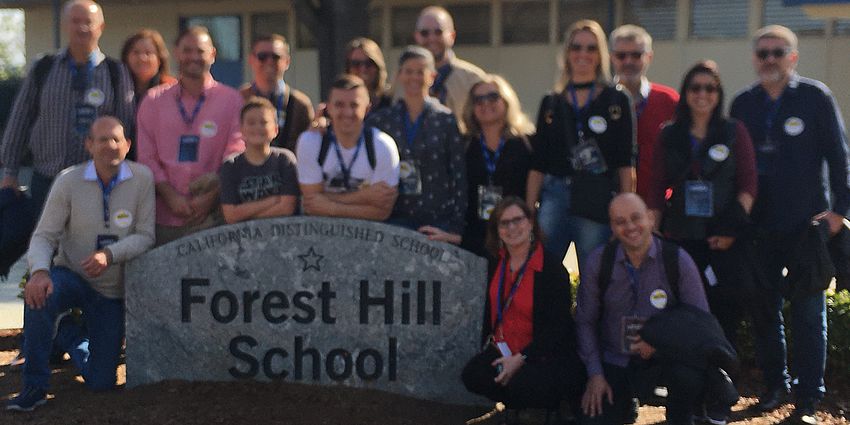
<point x="498" y="153"/>
<point x="584" y="150"/>
<point x="363" y="58"/>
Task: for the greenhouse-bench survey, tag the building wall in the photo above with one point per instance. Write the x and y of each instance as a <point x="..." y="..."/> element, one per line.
<point x="531" y="68"/>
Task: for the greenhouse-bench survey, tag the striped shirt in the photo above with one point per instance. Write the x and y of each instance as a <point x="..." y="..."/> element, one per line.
<point x="46" y="126"/>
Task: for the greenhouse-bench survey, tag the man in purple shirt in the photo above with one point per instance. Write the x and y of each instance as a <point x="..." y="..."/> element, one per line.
<point x="186" y="131"/>
<point x="638" y="289"/>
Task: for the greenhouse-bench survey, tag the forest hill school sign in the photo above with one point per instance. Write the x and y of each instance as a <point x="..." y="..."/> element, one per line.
<point x="311" y="300"/>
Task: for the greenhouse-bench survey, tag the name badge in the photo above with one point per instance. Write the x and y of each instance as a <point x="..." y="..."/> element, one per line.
<point x="188" y="148"/>
<point x="588" y="157"/>
<point x="504" y="349"/>
<point x="409" y="180"/>
<point x="699" y="199"/>
<point x="488" y="198"/>
<point x="630" y="328"/>
<point x="84" y="116"/>
<point x="104" y="241"/>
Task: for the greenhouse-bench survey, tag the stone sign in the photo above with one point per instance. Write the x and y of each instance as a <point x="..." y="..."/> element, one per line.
<point x="309" y="300"/>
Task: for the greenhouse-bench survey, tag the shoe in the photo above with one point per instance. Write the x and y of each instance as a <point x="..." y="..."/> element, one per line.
<point x="27" y="400"/>
<point x="771" y="399"/>
<point x="714" y="415"/>
<point x="804" y="413"/>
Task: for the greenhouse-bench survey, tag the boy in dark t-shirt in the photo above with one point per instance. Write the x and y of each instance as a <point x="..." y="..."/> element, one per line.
<point x="262" y="181"/>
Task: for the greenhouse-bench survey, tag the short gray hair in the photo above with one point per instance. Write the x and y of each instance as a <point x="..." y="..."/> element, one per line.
<point x="633" y="33"/>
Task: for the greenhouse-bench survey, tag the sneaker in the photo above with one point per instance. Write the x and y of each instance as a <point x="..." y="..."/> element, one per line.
<point x="805" y="414"/>
<point x="27" y="400"/>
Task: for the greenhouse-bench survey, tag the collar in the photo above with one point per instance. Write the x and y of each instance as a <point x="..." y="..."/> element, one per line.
<point x="645" y="86"/>
<point x="281" y="87"/>
<point x="654" y="249"/>
<point x="793" y="84"/>
<point x="98" y="56"/>
<point x="535" y="263"/>
<point x="124" y="172"/>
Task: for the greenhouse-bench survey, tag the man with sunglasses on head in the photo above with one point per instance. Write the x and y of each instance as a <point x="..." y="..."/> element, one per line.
<point x="269" y="60"/>
<point x="795" y="126"/>
<point x="631" y="55"/>
<point x="435" y="31"/>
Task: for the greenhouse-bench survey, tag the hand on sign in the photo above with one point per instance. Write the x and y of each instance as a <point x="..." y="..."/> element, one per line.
<point x="437" y="234"/>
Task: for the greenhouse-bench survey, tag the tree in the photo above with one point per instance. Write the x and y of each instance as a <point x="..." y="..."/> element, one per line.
<point x="11" y="43"/>
<point x="335" y="23"/>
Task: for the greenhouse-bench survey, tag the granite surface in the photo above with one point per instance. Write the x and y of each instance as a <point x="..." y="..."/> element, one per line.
<point x="306" y="299"/>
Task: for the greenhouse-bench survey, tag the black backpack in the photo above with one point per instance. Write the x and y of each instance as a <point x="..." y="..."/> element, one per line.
<point x="669" y="255"/>
<point x="369" y="142"/>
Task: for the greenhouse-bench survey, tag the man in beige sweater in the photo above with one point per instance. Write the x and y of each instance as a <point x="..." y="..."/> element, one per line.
<point x="98" y="215"/>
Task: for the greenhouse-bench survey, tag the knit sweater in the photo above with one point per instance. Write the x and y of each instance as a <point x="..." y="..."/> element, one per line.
<point x="73" y="219"/>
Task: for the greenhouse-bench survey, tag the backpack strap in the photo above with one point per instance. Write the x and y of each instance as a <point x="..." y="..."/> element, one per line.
<point x="323" y="150"/>
<point x="369" y="137"/>
<point x="115" y="80"/>
<point x="40" y="70"/>
<point x="606" y="268"/>
<point x="287" y="125"/>
<point x="670" y="257"/>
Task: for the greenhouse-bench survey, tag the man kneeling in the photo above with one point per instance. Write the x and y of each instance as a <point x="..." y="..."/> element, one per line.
<point x="98" y="215"/>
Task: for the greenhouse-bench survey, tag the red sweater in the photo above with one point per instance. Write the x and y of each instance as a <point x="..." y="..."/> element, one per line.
<point x="659" y="109"/>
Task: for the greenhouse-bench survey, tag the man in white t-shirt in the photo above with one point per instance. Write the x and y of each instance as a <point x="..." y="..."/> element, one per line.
<point x="352" y="170"/>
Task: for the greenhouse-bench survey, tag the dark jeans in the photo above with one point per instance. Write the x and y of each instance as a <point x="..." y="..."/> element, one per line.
<point x="684" y="386"/>
<point x="808" y="324"/>
<point x="538" y="384"/>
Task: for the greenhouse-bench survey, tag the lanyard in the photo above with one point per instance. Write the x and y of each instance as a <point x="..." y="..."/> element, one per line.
<point x="75" y="71"/>
<point x="186" y="118"/>
<point x="346" y="170"/>
<point x="491" y="159"/>
<point x="411" y="129"/>
<point x="437" y="88"/>
<point x="634" y="282"/>
<point x="503" y="304"/>
<point x="772" y="108"/>
<point x="580" y="111"/>
<point x="106" y="191"/>
<point x="640" y="106"/>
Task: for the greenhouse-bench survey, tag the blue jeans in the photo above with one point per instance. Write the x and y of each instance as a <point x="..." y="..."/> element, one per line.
<point x="94" y="351"/>
<point x="808" y="323"/>
<point x="560" y="227"/>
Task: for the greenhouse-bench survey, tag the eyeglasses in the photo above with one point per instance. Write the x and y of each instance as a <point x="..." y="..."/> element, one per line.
<point x="425" y="32"/>
<point x="264" y="56"/>
<point x="488" y="98"/>
<point x="590" y="48"/>
<point x="708" y="88"/>
<point x="778" y="53"/>
<point x="357" y="63"/>
<point x="623" y="55"/>
<point x="507" y="223"/>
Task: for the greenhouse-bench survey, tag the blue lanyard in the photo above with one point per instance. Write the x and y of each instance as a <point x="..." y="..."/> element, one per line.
<point x="772" y="108"/>
<point x="634" y="282"/>
<point x="106" y="191"/>
<point x="695" y="143"/>
<point x="579" y="112"/>
<point x="437" y="88"/>
<point x="277" y="100"/>
<point x="411" y="129"/>
<point x="491" y="160"/>
<point x="186" y="118"/>
<point x="346" y="170"/>
<point x="503" y="304"/>
<point x="640" y="106"/>
<point x="72" y="66"/>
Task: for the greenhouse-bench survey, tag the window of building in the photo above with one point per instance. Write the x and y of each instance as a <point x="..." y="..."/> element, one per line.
<point x="525" y="22"/>
<point x="792" y="17"/>
<point x="570" y="11"/>
<point x="472" y="23"/>
<point x="841" y="27"/>
<point x="403" y="23"/>
<point x="656" y="16"/>
<point x="719" y="18"/>
<point x="270" y="23"/>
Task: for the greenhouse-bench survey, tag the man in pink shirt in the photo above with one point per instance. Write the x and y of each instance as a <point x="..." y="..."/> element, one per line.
<point x="185" y="131"/>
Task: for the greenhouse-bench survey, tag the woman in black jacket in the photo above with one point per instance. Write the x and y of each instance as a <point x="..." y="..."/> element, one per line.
<point x="498" y="154"/>
<point x="529" y="357"/>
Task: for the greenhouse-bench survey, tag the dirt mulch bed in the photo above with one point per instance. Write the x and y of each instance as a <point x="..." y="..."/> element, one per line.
<point x="190" y="403"/>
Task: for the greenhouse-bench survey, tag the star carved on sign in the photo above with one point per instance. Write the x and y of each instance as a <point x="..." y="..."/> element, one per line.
<point x="311" y="260"/>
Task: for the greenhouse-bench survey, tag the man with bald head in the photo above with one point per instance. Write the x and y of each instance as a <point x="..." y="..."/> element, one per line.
<point x="98" y="215"/>
<point x="435" y="31"/>
<point x="61" y="97"/>
<point x="608" y="327"/>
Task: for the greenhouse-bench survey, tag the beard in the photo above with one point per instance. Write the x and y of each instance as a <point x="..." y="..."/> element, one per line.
<point x="771" y="75"/>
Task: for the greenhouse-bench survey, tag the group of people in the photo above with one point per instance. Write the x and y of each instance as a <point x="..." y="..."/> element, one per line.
<point x="447" y="151"/>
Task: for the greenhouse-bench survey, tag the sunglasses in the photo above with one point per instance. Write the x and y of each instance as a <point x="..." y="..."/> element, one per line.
<point x="708" y="88"/>
<point x="357" y="63"/>
<point x="590" y="48"/>
<point x="511" y="222"/>
<point x="778" y="53"/>
<point x="264" y="56"/>
<point x="426" y="32"/>
<point x="487" y="97"/>
<point x="623" y="55"/>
